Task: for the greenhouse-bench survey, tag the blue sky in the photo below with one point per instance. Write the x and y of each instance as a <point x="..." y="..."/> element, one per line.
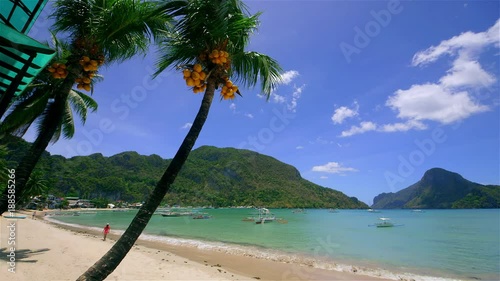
<point x="375" y="94"/>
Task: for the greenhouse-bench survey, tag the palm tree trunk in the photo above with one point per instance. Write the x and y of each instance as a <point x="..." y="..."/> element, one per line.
<point x="108" y="263"/>
<point x="31" y="158"/>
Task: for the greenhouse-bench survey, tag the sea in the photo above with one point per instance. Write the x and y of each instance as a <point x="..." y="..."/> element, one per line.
<point x="422" y="245"/>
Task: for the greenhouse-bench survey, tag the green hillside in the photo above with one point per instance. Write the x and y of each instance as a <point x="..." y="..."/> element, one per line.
<point x="211" y="176"/>
<point x="439" y="189"/>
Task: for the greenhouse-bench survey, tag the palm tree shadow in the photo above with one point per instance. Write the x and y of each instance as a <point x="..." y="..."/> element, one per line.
<point x="21" y="255"/>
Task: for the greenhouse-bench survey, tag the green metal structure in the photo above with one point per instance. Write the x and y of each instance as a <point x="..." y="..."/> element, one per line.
<point x="21" y="57"/>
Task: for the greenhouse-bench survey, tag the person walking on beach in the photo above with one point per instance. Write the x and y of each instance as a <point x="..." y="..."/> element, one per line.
<point x="33" y="216"/>
<point x="106" y="231"/>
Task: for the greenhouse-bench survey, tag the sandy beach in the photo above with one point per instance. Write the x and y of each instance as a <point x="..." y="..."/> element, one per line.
<point x="45" y="251"/>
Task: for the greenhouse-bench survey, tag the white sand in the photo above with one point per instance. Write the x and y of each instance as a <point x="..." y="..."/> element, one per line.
<point x="45" y="253"/>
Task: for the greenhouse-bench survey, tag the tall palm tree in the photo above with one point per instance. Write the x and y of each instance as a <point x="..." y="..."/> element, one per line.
<point x="208" y="43"/>
<point x="98" y="32"/>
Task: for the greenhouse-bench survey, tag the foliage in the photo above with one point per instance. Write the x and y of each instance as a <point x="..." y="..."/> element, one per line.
<point x="219" y="177"/>
<point x="438" y="189"/>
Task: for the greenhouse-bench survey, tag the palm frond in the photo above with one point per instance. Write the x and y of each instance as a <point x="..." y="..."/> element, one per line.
<point x="203" y="25"/>
<point x="81" y="103"/>
<point x="120" y="28"/>
<point x="68" y="122"/>
<point x="24" y="112"/>
<point x="251" y="67"/>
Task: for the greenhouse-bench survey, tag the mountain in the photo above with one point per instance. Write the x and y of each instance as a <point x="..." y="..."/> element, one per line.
<point x="439" y="189"/>
<point x="211" y="176"/>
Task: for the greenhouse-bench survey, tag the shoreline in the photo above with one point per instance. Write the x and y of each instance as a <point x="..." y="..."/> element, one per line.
<point x="245" y="265"/>
<point x="74" y="248"/>
<point x="300" y="266"/>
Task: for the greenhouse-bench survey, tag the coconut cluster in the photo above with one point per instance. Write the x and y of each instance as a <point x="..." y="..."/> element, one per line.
<point x="83" y="83"/>
<point x="219" y="57"/>
<point x="58" y="70"/>
<point x="228" y="90"/>
<point x="195" y="78"/>
<point x="89" y="64"/>
<point x="90" y="67"/>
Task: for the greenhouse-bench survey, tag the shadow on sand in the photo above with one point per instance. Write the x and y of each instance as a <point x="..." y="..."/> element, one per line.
<point x="21" y="255"/>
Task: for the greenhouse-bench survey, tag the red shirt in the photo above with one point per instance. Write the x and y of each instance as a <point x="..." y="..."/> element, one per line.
<point x="106" y="229"/>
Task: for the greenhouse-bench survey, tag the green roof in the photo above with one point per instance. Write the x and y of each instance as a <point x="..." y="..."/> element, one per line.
<point x="21" y="14"/>
<point x="21" y="59"/>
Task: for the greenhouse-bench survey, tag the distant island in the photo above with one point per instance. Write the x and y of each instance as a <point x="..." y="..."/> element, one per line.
<point x="218" y="177"/>
<point x="441" y="189"/>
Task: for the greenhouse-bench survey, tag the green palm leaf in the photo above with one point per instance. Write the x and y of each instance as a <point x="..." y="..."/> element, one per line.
<point x="119" y="28"/>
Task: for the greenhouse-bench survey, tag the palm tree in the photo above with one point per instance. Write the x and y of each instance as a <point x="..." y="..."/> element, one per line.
<point x="209" y="39"/>
<point x="100" y="32"/>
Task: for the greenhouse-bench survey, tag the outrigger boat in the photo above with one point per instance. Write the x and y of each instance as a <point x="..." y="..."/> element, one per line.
<point x="265" y="216"/>
<point x="385" y="222"/>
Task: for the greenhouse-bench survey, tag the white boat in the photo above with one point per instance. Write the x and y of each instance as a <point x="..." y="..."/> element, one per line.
<point x="15" y="217"/>
<point x="385" y="222"/>
<point x="373" y="211"/>
<point x="299" y="211"/>
<point x="264" y="216"/>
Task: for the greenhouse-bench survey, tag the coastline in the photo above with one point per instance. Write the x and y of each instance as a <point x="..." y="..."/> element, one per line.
<point x="73" y="249"/>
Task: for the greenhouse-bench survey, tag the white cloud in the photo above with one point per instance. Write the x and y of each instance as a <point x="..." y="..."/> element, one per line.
<point x="290" y="101"/>
<point x="320" y="140"/>
<point x="232" y="107"/>
<point x="249" y="115"/>
<point x="468" y="44"/>
<point x="323" y="177"/>
<point x="299" y="147"/>
<point x="402" y="127"/>
<point x="292" y="106"/>
<point x="287" y="77"/>
<point x="433" y="102"/>
<point x="344" y="112"/>
<point x="451" y="99"/>
<point x="187" y="126"/>
<point x="333" y="168"/>
<point x="278" y="99"/>
<point x="467" y="73"/>
<point x="362" y="128"/>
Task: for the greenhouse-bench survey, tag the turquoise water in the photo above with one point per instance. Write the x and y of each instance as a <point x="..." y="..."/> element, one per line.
<point x="461" y="244"/>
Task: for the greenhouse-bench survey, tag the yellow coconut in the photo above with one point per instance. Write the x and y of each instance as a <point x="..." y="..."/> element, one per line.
<point x="79" y="86"/>
<point x="203" y="75"/>
<point x="85" y="59"/>
<point x="78" y="80"/>
<point x="190" y="82"/>
<point x="62" y="65"/>
<point x="215" y="53"/>
<point x="93" y="62"/>
<point x="197" y="67"/>
<point x="51" y="69"/>
<point x="195" y="75"/>
<point x="86" y="87"/>
<point x="186" y="73"/>
<point x="86" y="80"/>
